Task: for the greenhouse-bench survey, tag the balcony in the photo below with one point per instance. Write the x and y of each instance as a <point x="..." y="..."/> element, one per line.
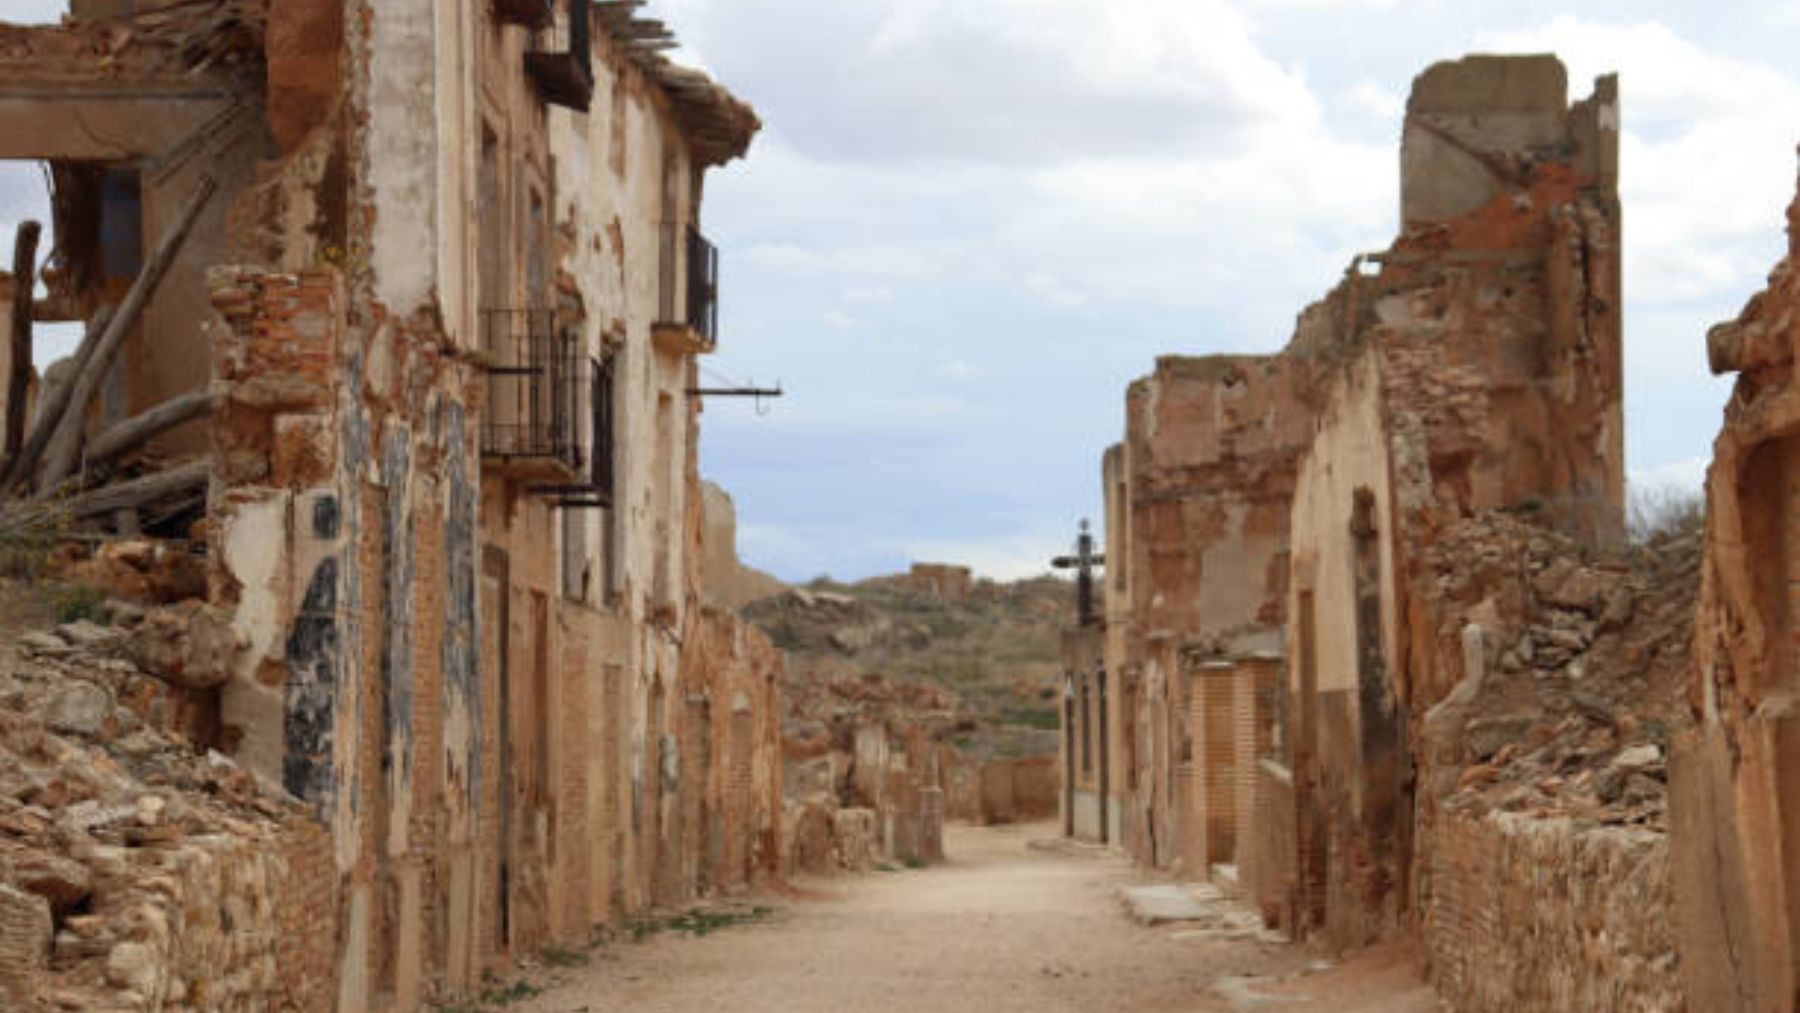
<point x="537" y="389"/>
<point x="689" y="326"/>
<point x="529" y="13"/>
<point x="561" y="59"/>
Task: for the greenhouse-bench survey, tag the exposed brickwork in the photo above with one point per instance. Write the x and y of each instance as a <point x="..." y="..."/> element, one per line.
<point x="25" y="931"/>
<point x="1527" y="913"/>
<point x="306" y="957"/>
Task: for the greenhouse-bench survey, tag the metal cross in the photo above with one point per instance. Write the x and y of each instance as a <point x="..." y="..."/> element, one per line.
<point x="1083" y="562"/>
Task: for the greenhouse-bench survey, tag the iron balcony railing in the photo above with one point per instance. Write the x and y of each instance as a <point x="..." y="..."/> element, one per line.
<point x="530" y="13"/>
<point x="538" y="389"/>
<point x="702" y="286"/>
<point x="561" y="59"/>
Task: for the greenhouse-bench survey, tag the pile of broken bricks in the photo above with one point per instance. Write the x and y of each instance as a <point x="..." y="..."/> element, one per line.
<point x="1582" y="661"/>
<point x="112" y="820"/>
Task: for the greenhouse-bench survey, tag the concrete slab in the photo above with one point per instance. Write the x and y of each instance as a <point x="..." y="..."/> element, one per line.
<point x="1163" y="903"/>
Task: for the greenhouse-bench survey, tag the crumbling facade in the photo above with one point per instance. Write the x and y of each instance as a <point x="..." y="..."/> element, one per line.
<point x="870" y="776"/>
<point x="1737" y="871"/>
<point x="1275" y="631"/>
<point x="1477" y="369"/>
<point x="1198" y="564"/>
<point x="436" y="276"/>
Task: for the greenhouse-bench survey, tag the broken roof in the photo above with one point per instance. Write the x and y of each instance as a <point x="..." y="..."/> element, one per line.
<point x="719" y="125"/>
<point x="171" y="45"/>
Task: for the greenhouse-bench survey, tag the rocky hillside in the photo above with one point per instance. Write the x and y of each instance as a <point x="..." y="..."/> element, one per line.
<point x="990" y="649"/>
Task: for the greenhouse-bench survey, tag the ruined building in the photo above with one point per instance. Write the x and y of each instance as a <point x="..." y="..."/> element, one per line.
<point x="1736" y="833"/>
<point x="1331" y="566"/>
<point x="393" y="312"/>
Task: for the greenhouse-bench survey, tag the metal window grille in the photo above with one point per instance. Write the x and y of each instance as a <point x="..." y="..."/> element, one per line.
<point x="530" y="13"/>
<point x="536" y="385"/>
<point x="603" y="443"/>
<point x="703" y="285"/>
<point x="561" y="61"/>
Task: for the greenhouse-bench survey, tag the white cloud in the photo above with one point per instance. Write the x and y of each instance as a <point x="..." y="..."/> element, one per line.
<point x="1687" y="476"/>
<point x="1336" y="6"/>
<point x="1374" y="100"/>
<point x="1009" y="558"/>
<point x="1000" y="81"/>
<point x="30" y="12"/>
<point x="1706" y="153"/>
<point x="960" y="370"/>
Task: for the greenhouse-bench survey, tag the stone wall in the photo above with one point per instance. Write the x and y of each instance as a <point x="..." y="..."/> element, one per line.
<point x="1543" y="914"/>
<point x="1018" y="791"/>
<point x="136" y="873"/>
<point x="725" y="581"/>
<point x="944" y="580"/>
<point x="735" y="804"/>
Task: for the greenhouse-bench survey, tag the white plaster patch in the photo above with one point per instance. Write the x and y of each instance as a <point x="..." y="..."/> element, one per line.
<point x="255" y="547"/>
<point x="1608" y="117"/>
<point x="403" y="151"/>
<point x="353" y="965"/>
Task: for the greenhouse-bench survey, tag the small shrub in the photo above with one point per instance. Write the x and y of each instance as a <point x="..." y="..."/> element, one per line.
<point x="698" y="922"/>
<point x="75" y="602"/>
<point x="1664" y="512"/>
<point x="493" y="997"/>
<point x="558" y="956"/>
<point x="26" y="543"/>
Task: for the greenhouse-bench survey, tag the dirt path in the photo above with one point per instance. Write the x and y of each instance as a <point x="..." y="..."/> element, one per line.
<point x="999" y="927"/>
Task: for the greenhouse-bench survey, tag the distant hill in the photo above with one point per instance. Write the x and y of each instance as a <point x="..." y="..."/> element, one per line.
<point x="993" y="646"/>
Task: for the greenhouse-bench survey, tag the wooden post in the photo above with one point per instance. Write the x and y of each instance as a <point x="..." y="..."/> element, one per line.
<point x="18" y="386"/>
<point x="109" y="499"/>
<point x="64" y="445"/>
<point x="131" y="433"/>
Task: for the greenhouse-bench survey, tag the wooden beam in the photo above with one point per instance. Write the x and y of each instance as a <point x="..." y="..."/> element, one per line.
<point x="108" y="499"/>
<point x="52" y="401"/>
<point x="134" y="432"/>
<point x="18" y="387"/>
<point x="64" y="451"/>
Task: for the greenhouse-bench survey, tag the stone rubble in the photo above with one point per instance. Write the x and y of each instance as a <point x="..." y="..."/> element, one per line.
<point x="135" y="871"/>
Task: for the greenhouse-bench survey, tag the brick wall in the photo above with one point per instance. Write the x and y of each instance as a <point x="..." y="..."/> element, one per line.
<point x="1213" y="722"/>
<point x="1253" y="725"/>
<point x="305" y="915"/>
<point x="1539" y="914"/>
<point x="25" y="930"/>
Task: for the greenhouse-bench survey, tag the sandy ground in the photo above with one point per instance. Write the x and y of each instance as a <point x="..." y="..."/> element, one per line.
<point x="999" y="927"/>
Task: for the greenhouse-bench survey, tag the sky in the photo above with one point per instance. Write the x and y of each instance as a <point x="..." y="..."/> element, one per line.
<point x="968" y="224"/>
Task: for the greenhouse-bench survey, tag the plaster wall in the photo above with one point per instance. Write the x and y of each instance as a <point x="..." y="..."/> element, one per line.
<point x="1349" y="452"/>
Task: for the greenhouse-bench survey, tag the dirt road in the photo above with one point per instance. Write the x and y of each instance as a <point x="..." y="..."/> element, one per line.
<point x="999" y="927"/>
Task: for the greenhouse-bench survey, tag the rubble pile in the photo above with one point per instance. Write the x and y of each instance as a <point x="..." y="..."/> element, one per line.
<point x="1543" y="769"/>
<point x="821" y="710"/>
<point x="868" y="765"/>
<point x="137" y="871"/>
<point x="799" y="619"/>
<point x="1571" y="668"/>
